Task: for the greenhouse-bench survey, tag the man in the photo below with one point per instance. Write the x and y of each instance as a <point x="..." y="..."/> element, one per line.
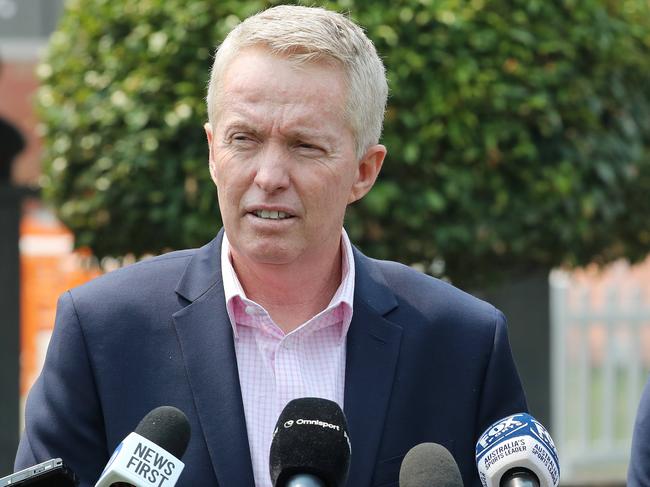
<point x="279" y="305"/>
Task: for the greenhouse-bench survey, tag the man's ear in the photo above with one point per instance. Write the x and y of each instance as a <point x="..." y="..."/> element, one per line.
<point x="367" y="172"/>
<point x="210" y="136"/>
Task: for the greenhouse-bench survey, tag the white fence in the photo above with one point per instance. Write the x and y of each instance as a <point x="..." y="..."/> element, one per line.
<point x="600" y="332"/>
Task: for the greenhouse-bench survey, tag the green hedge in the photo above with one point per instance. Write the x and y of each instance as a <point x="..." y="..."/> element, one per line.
<point x="518" y="130"/>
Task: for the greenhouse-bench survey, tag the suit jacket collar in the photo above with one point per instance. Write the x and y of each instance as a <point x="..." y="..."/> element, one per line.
<point x="203" y="270"/>
<point x="206" y="341"/>
<point x="373" y="345"/>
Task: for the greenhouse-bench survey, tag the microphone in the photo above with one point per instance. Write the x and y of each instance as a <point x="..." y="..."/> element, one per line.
<point x="310" y="445"/>
<point x="517" y="451"/>
<point x="149" y="457"/>
<point x="428" y="465"/>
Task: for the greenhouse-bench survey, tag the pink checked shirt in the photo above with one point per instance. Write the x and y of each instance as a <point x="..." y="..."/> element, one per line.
<point x="275" y="367"/>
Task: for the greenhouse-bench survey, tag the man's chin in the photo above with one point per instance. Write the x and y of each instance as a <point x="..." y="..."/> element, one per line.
<point x="267" y="251"/>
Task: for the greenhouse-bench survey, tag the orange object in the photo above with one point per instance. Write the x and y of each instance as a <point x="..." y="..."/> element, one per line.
<point x="48" y="267"/>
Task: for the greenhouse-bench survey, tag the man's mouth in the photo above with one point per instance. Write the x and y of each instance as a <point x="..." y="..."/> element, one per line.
<point x="271" y="215"/>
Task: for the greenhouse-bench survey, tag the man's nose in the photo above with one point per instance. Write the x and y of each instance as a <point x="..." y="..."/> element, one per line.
<point x="273" y="169"/>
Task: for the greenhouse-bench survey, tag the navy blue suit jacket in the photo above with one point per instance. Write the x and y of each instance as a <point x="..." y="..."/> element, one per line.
<point x="638" y="474"/>
<point x="425" y="363"/>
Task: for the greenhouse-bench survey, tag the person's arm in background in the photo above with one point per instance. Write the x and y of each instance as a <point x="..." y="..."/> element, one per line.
<point x="638" y="474"/>
<point x="63" y="416"/>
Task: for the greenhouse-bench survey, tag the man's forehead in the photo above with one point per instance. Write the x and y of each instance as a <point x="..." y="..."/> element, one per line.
<point x="258" y="77"/>
<point x="249" y="59"/>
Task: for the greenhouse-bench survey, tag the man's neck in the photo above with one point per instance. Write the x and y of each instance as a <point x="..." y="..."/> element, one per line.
<point x="292" y="293"/>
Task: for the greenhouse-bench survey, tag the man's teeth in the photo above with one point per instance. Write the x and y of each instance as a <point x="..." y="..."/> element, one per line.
<point x="273" y="215"/>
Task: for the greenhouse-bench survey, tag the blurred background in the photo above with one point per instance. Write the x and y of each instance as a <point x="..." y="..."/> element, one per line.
<point x="518" y="168"/>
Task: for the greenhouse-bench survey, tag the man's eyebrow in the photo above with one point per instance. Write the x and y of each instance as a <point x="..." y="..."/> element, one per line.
<point x="239" y="124"/>
<point x="298" y="133"/>
<point x="302" y="133"/>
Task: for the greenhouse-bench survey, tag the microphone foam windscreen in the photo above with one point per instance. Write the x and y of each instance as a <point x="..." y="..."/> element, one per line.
<point x="168" y="428"/>
<point x="429" y="464"/>
<point x="310" y="437"/>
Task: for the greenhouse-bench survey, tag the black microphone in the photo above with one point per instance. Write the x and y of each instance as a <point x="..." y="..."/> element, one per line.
<point x="150" y="456"/>
<point x="310" y="446"/>
<point x="429" y="465"/>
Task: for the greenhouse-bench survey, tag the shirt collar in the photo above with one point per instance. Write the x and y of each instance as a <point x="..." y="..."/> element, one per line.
<point x="344" y="294"/>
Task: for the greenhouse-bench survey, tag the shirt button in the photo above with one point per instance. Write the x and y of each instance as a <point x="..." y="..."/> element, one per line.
<point x="251" y="310"/>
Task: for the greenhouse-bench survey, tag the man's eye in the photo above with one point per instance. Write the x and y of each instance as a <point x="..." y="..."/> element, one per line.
<point x="241" y="137"/>
<point x="309" y="147"/>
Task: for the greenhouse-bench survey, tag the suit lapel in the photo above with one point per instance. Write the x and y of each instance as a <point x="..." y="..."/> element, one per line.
<point x="206" y="340"/>
<point x="372" y="351"/>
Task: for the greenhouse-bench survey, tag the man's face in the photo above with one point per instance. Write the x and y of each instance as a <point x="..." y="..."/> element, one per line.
<point x="283" y="158"/>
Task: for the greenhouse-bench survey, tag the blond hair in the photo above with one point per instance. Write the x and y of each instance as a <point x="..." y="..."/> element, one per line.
<point x="310" y="34"/>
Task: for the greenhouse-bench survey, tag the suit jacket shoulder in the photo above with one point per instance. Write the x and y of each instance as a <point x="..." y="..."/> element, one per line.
<point x="146" y="278"/>
<point x="430" y="295"/>
<point x="426" y="305"/>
